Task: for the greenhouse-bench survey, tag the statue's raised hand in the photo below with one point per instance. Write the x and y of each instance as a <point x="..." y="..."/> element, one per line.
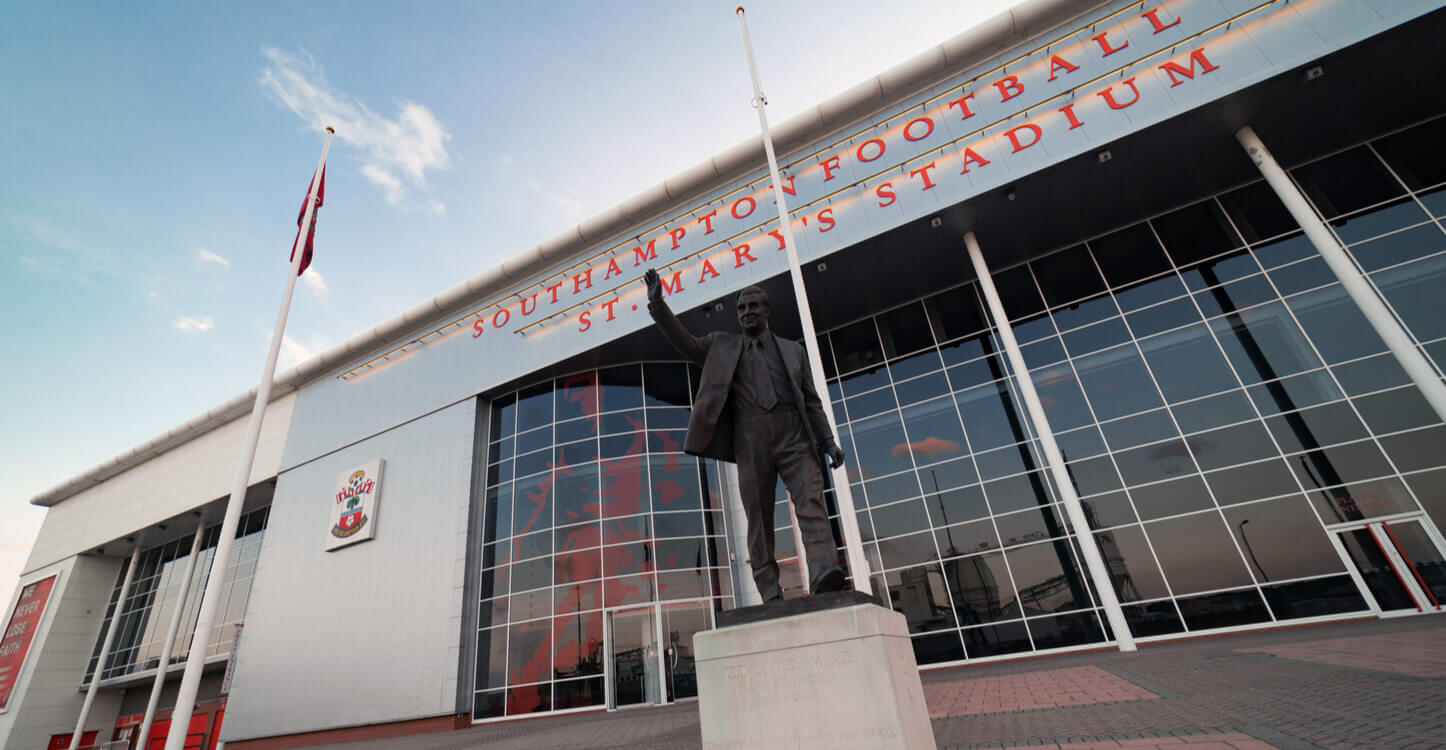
<point x="655" y="286"/>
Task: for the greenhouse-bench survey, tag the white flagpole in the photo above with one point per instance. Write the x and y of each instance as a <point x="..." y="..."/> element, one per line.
<point x="858" y="563"/>
<point x="210" y="601"/>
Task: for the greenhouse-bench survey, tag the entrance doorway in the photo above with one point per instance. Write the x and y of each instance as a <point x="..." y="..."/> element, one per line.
<point x="1400" y="560"/>
<point x="651" y="660"/>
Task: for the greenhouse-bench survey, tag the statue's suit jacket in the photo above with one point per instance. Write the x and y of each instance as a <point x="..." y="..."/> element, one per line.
<point x="710" y="428"/>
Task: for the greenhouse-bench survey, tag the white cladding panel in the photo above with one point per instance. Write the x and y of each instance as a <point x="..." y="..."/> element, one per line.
<point x="182" y="478"/>
<point x="365" y="634"/>
<point x="47" y="697"/>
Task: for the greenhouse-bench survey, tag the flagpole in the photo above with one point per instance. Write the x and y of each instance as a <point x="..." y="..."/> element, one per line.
<point x="210" y="600"/>
<point x="848" y="522"/>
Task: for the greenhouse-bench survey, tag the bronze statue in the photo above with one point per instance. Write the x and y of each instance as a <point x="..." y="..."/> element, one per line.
<point x="757" y="406"/>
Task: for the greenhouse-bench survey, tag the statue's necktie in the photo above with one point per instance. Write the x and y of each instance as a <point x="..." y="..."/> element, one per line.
<point x="762" y="380"/>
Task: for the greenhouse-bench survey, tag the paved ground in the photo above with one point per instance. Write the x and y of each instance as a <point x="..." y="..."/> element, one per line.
<point x="1352" y="685"/>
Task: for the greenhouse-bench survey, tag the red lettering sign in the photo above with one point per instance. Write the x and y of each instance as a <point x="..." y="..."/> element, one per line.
<point x="19" y="632"/>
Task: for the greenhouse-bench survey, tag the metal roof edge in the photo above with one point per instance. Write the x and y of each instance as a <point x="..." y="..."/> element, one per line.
<point x="972" y="46"/>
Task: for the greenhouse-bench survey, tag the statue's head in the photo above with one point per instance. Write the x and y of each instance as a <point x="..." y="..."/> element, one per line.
<point x="753" y="309"/>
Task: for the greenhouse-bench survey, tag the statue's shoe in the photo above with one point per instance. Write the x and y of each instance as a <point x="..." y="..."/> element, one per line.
<point x="831" y="579"/>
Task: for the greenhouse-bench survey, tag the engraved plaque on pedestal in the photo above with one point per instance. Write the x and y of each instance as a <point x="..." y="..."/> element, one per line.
<point x="836" y="678"/>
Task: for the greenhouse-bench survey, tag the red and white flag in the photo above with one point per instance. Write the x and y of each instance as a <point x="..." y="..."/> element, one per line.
<point x="311" y="231"/>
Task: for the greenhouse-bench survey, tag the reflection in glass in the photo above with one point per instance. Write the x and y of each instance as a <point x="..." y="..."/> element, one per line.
<point x="1314" y="598"/>
<point x="1280" y="541"/>
<point x="1197" y="554"/>
<point x="1131" y="565"/>
<point x="981" y="588"/>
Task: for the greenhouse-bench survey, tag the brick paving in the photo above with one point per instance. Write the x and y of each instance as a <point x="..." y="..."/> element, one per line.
<point x="1419" y="654"/>
<point x="1049" y="688"/>
<point x="1374" y="684"/>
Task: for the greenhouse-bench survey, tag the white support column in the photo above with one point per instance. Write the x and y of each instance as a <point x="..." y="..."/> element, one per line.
<point x="115" y="618"/>
<point x="745" y="591"/>
<point x="170" y="642"/>
<point x="1351" y="278"/>
<point x="1094" y="562"/>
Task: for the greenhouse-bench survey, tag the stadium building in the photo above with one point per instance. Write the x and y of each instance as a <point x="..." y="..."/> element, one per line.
<point x="479" y="510"/>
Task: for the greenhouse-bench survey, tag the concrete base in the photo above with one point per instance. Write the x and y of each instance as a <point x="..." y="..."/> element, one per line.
<point x="838" y="678"/>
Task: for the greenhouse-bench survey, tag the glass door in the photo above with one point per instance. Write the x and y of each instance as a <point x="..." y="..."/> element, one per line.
<point x="635" y="660"/>
<point x="651" y="653"/>
<point x="680" y="623"/>
<point x="1399" y="561"/>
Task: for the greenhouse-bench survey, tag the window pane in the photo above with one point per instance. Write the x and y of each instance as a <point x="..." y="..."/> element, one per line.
<point x="1258" y="212"/>
<point x="1398" y="248"/>
<point x="1416" y="155"/>
<point x="1231" y="446"/>
<point x="620" y="388"/>
<point x="1171" y="498"/>
<point x="665" y="384"/>
<point x="875" y="440"/>
<point x="1282" y="539"/>
<point x="1415" y="293"/>
<point x="577" y="395"/>
<point x="1129" y="255"/>
<point x="981" y="590"/>
<point x="534" y="407"/>
<point x="1197" y="554"/>
<point x="1116" y="382"/>
<point x="1018" y="293"/>
<point x="1263" y="343"/>
<point x="529" y="656"/>
<point x="934" y="431"/>
<point x="1131" y="566"/>
<point x="1064" y="402"/>
<point x="1047" y="577"/>
<point x="1347" y="181"/>
<point x="996" y="640"/>
<point x="1377" y="221"/>
<point x="1158" y="618"/>
<point x="1187" y="363"/>
<point x="921" y="596"/>
<point x="1067" y="276"/>
<point x="1229" y="609"/>
<point x="1195" y="232"/>
<point x="1067" y="630"/>
<point x="904" y="330"/>
<point x="675" y="482"/>
<point x="955" y="313"/>
<point x="1315" y="598"/>
<point x="856" y="346"/>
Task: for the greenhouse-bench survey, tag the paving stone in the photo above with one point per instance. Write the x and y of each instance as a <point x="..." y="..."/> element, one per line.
<point x="1375" y="684"/>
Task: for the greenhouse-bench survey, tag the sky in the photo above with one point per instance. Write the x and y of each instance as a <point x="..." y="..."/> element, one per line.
<point x="154" y="157"/>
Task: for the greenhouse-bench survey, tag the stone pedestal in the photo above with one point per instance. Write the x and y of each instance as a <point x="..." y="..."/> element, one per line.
<point x="837" y="678"/>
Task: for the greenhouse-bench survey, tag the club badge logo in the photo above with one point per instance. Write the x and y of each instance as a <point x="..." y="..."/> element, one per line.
<point x="352" y="498"/>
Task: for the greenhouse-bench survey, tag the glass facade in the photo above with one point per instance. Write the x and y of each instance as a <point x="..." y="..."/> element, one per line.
<point x="592" y="508"/>
<point x="1224" y="410"/>
<point x="154" y="596"/>
<point x="1218" y="398"/>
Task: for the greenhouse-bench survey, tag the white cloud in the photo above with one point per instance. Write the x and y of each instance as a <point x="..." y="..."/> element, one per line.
<point x="313" y="279"/>
<point x="195" y="325"/>
<point x="571" y="208"/>
<point x="294" y="352"/>
<point x="153" y="295"/>
<point x="210" y="257"/>
<point x="397" y="153"/>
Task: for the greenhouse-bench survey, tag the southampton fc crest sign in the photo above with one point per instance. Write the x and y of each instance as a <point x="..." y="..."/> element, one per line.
<point x="354" y="506"/>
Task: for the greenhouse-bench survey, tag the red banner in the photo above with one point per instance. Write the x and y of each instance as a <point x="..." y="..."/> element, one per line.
<point x="15" y="644"/>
